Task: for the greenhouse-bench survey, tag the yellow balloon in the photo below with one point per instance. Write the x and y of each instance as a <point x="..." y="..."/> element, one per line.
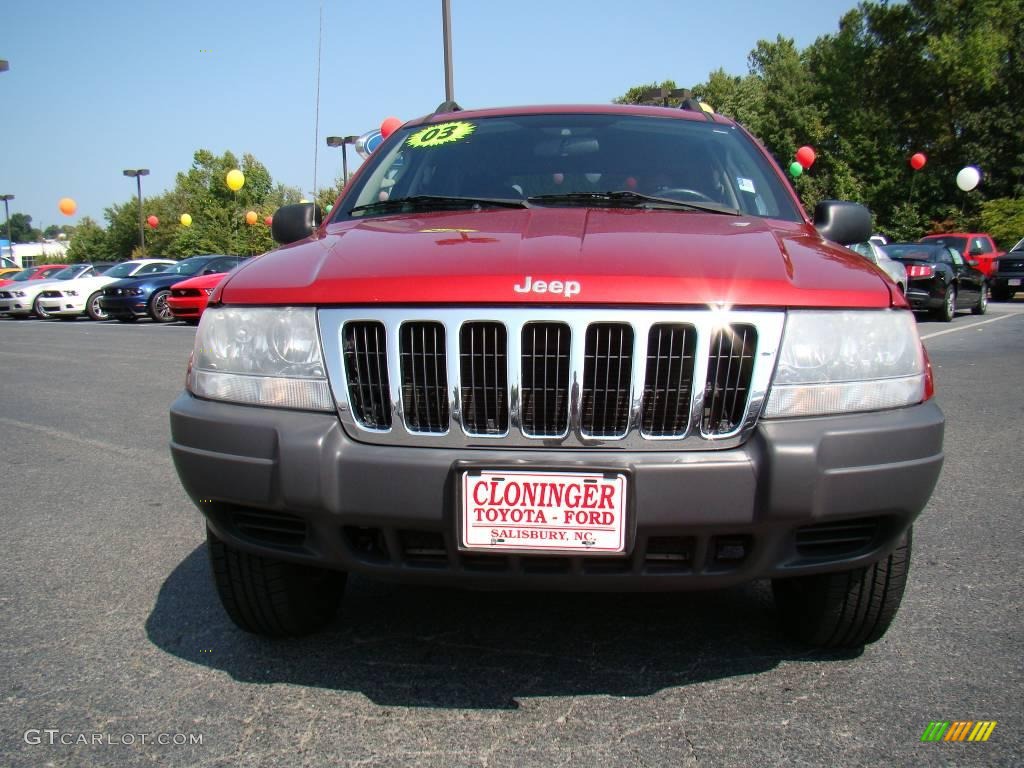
<point x="67" y="206"/>
<point x="251" y="217"/>
<point x="186" y="220"/>
<point x="235" y="180"/>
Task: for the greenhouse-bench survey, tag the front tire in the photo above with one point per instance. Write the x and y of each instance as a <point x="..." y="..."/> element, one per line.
<point x="847" y="609"/>
<point x="272" y="597"/>
<point x="159" y="309"/>
<point x="41" y="313"/>
<point x="94" y="309"/>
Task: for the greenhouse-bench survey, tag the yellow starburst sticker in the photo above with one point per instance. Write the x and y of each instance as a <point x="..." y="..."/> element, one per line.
<point x="443" y="133"/>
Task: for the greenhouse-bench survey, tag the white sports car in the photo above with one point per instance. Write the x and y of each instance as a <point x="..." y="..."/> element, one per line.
<point x="18" y="300"/>
<point x="82" y="295"/>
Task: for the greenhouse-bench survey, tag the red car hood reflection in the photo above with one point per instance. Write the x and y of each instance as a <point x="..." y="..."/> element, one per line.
<point x="563" y="256"/>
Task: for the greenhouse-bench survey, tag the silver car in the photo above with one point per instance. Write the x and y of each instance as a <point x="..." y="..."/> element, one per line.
<point x="894" y="269"/>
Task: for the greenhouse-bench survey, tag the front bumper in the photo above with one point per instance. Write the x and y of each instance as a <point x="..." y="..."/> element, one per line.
<point x="64" y="306"/>
<point x="125" y="306"/>
<point x="17" y="306"/>
<point x="187" y="307"/>
<point x="292" y="485"/>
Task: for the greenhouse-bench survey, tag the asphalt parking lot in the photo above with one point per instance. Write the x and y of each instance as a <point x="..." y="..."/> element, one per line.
<point x="109" y="624"/>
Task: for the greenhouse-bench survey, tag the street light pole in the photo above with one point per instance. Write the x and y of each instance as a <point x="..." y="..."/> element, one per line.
<point x="7" y="213"/>
<point x="138" y="173"/>
<point x="449" y="77"/>
<point x="343" y="142"/>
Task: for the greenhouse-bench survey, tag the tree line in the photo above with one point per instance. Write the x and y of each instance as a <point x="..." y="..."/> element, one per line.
<point x="218" y="214"/>
<point x="940" y="77"/>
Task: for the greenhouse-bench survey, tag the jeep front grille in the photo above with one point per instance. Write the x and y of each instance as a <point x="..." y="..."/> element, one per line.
<point x="566" y="378"/>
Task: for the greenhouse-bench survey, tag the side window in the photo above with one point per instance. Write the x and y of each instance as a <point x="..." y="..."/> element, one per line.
<point x="981" y="245"/>
<point x="957" y="258"/>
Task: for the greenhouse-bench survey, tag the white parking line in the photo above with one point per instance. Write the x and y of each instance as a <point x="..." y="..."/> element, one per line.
<point x="972" y="325"/>
<point x="60" y="434"/>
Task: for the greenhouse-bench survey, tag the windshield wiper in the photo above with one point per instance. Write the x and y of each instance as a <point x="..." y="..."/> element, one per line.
<point x="427" y="202"/>
<point x="631" y="198"/>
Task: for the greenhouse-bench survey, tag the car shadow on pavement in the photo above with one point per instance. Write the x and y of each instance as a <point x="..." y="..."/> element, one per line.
<point x="402" y="645"/>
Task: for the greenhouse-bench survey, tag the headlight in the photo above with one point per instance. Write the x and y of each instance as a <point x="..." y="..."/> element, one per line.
<point x="70" y="293"/>
<point x="19" y="294"/>
<point x="841" y="362"/>
<point x="134" y="291"/>
<point x="260" y="356"/>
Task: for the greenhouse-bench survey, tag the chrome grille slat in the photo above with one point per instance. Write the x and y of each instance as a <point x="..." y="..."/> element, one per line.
<point x="367" y="380"/>
<point x="424" y="376"/>
<point x="617" y="342"/>
<point x="550" y="377"/>
<point x="733" y="344"/>
<point x="668" y="390"/>
<point x="484" y="402"/>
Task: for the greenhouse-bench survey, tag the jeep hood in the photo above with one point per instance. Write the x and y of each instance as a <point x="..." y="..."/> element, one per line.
<point x="614" y="256"/>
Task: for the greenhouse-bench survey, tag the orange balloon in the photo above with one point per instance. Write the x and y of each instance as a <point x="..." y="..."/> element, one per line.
<point x="251" y="217"/>
<point x="67" y="206"/>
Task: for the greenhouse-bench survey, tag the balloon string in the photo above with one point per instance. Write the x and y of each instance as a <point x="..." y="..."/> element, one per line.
<point x="913" y="178"/>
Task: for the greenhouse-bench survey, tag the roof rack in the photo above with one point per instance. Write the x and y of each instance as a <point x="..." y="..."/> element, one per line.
<point x="661" y="96"/>
<point x="447" y="106"/>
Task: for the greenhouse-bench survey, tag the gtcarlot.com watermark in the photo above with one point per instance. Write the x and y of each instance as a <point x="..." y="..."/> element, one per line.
<point x="55" y="736"/>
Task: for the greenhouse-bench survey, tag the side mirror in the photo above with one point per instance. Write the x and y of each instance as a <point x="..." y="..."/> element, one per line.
<point x="211" y="271"/>
<point x="842" y="222"/>
<point x="295" y="222"/>
<point x="972" y="262"/>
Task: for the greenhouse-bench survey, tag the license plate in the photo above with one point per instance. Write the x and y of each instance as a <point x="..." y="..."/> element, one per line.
<point x="567" y="512"/>
<point x="1013" y="281"/>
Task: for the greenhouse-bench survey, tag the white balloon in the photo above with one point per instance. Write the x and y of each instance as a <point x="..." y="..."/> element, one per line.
<point x="968" y="178"/>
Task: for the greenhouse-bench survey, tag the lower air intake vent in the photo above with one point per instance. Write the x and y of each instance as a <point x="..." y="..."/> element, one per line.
<point x="274" y="528"/>
<point x="839" y="539"/>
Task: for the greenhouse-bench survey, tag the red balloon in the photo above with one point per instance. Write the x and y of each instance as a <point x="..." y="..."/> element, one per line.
<point x="153" y="221"/>
<point x="389" y="126"/>
<point x="917" y="161"/>
<point x="268" y="220"/>
<point x="806" y="157"/>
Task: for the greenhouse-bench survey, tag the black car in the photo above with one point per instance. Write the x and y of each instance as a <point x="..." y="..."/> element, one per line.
<point x="938" y="279"/>
<point x="1009" y="275"/>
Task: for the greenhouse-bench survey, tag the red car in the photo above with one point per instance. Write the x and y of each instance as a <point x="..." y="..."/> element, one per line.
<point x="978" y="249"/>
<point x="42" y="272"/>
<point x="188" y="298"/>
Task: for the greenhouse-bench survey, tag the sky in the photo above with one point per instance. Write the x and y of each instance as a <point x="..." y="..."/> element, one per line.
<point x="100" y="86"/>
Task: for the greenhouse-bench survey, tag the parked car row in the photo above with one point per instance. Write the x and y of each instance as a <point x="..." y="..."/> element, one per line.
<point x="160" y="289"/>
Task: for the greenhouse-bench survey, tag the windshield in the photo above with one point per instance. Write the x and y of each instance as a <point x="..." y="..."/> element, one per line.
<point x="960" y="243"/>
<point x="124" y="269"/>
<point x="912" y="251"/>
<point x="70" y="273"/>
<point x="1019" y="246"/>
<point x="188" y="267"/>
<point x="571" y="159"/>
<point x="25" y="274"/>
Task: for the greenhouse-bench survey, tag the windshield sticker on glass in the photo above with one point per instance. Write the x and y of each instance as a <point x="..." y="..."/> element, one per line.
<point x="436" y="135"/>
<point x="745" y="185"/>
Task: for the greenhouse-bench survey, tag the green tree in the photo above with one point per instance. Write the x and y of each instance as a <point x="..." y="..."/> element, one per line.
<point x="22" y="230"/>
<point x="88" y="243"/>
<point x="1004" y="220"/>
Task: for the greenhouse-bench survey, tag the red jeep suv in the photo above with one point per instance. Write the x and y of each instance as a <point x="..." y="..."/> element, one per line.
<point x="565" y="348"/>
